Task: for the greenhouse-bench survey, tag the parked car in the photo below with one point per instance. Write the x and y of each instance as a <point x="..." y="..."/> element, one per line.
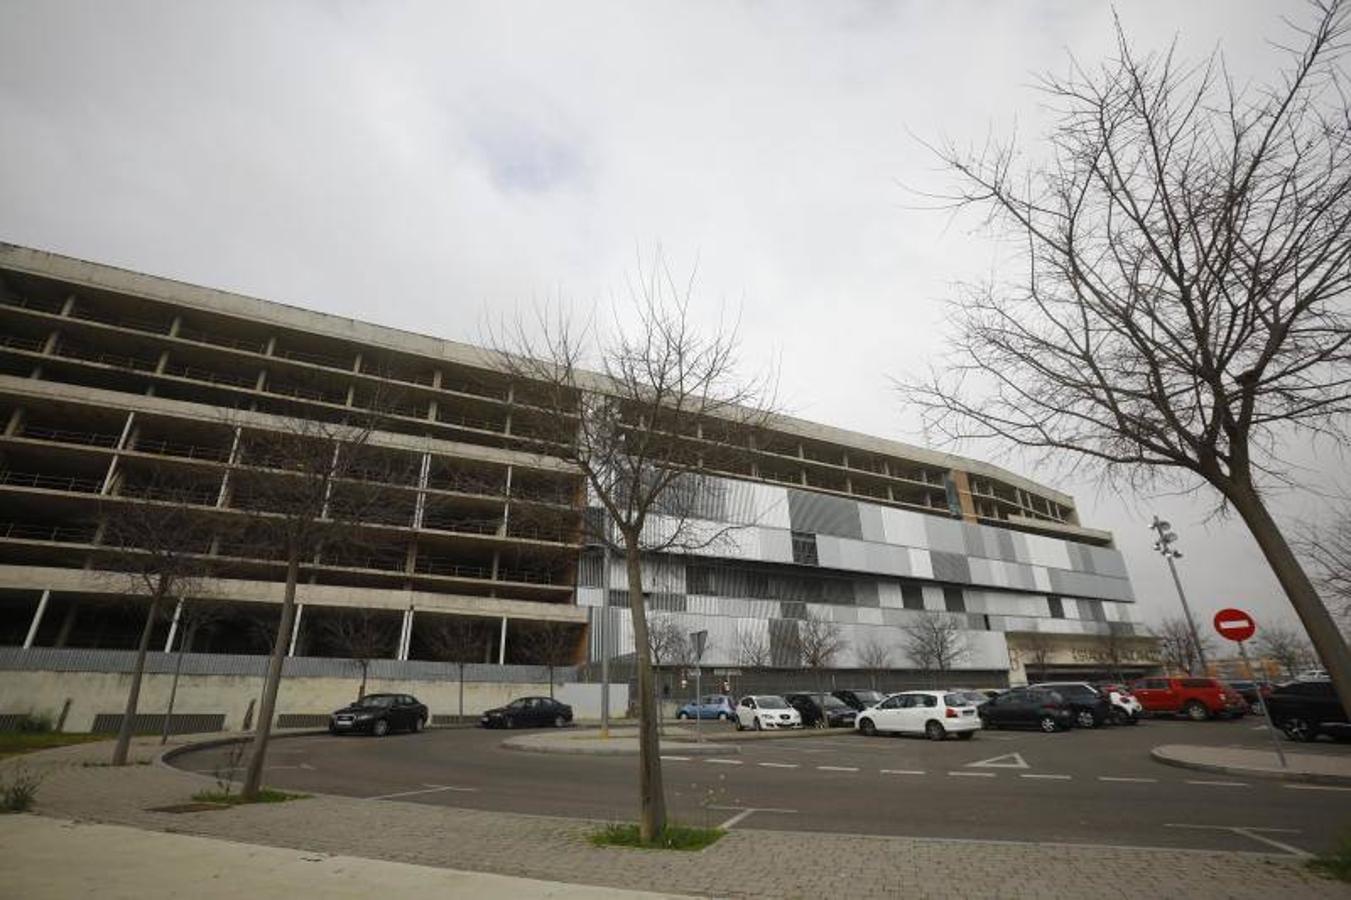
<point x="379" y="714"/>
<point x="1312" y="675"/>
<point x="714" y="706"/>
<point x="860" y="699"/>
<point x="766" y="711"/>
<point x="1126" y="710"/>
<point x="1306" y="709"/>
<point x="838" y="713"/>
<point x="1032" y="707"/>
<point x="976" y="697"/>
<point x="1091" y="707"/>
<point x="934" y="714"/>
<point x="1196" y="698"/>
<point x="1252" y="692"/>
<point x="525" y="712"/>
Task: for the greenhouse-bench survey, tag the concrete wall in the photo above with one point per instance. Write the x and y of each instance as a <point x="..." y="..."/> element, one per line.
<point x="94" y="693"/>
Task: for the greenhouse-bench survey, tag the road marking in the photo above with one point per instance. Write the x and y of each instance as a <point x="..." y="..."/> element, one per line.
<point x="1220" y="783"/>
<point x="1128" y="780"/>
<point x="724" y="762"/>
<point x="676" y="758"/>
<point x="902" y="771"/>
<point x="427" y="789"/>
<point x="1014" y="761"/>
<point x="973" y="774"/>
<point x="838" y="768"/>
<point x="746" y="811"/>
<point x="778" y="765"/>
<point x="1251" y="831"/>
<point x="1051" y="777"/>
<point x="1314" y="787"/>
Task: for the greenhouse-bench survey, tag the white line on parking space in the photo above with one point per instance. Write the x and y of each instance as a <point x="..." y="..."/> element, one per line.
<point x="778" y="765"/>
<point x="1048" y="777"/>
<point x="727" y="826"/>
<point x="746" y="811"/>
<point x="1314" y="787"/>
<point x="428" y="789"/>
<point x="901" y="771"/>
<point x="1251" y="831"/>
<point x="1128" y="780"/>
<point x="675" y="758"/>
<point x="973" y="774"/>
<point x="724" y="762"/>
<point x="1220" y="783"/>
<point x="838" y="768"/>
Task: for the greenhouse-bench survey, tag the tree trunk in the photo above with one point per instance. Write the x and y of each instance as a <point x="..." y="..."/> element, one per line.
<point x="123" y="744"/>
<point x="173" y="686"/>
<point x="652" y="794"/>
<point x="253" y="779"/>
<point x="361" y="689"/>
<point x="459" y="717"/>
<point x="1317" y="621"/>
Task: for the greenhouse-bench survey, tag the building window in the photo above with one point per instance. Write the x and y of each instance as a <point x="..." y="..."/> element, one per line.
<point x="912" y="597"/>
<point x="1057" y="607"/>
<point x="954" y="600"/>
<point x="804" y="549"/>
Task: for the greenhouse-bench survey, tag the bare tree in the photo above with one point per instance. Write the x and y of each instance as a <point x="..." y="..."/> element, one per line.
<point x="874" y="656"/>
<point x="552" y="644"/>
<point x="190" y="617"/>
<point x="819" y="642"/>
<point x="1284" y="645"/>
<point x="454" y="639"/>
<point x="1177" y="647"/>
<point x="1183" y="308"/>
<point x="159" y="534"/>
<point x="752" y="650"/>
<point x="306" y="486"/>
<point x="361" y="635"/>
<point x="1327" y="547"/>
<point x="935" y="641"/>
<point x="1036" y="649"/>
<point x="659" y="411"/>
<point x="1113" y="649"/>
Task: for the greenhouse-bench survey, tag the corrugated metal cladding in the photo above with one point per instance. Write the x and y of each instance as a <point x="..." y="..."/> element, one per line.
<point x="783" y="643"/>
<point x="824" y="514"/>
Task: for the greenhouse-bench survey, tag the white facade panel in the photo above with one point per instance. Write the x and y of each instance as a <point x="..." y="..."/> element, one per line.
<point x="1048" y="552"/>
<point x="921" y="565"/>
<point x="904" y="528"/>
<point x="933" y="598"/>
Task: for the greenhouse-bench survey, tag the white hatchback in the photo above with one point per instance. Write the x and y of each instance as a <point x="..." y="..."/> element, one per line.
<point x="934" y="714"/>
<point x="766" y="711"/>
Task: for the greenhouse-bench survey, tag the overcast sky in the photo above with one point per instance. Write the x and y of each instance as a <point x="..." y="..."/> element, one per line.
<point x="429" y="166"/>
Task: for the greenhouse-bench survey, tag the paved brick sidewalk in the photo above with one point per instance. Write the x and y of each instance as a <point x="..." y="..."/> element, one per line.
<point x="750" y="863"/>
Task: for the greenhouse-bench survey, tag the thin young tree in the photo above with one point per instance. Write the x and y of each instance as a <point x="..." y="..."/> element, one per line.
<point x="191" y="616"/>
<point x="752" y="649"/>
<point x="668" y="646"/>
<point x="1182" y="310"/>
<point x="647" y="409"/>
<point x="1177" y="646"/>
<point x="874" y="657"/>
<point x="935" y="641"/>
<point x="1327" y="547"/>
<point x="552" y="644"/>
<point x="306" y="486"/>
<point x="454" y="639"/>
<point x="361" y="636"/>
<point x="1037" y="650"/>
<point x="158" y="533"/>
<point x="819" y="642"/>
<point x="1285" y="646"/>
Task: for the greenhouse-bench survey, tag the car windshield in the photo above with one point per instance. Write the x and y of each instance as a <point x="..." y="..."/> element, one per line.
<point x="835" y="703"/>
<point x="868" y="698"/>
<point x="518" y="704"/>
<point x="377" y="700"/>
<point x="771" y="703"/>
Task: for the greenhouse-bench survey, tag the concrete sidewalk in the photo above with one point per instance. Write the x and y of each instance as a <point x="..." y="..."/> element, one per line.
<point x="1300" y="767"/>
<point x="621" y="742"/>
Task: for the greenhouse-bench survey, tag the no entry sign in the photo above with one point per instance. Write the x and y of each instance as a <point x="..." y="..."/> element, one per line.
<point x="1235" y="624"/>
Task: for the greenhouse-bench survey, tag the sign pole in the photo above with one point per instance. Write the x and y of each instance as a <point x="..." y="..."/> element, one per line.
<point x="1266" y="710"/>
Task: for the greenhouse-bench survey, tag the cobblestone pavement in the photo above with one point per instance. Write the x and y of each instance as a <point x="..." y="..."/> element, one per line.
<point x="744" y="864"/>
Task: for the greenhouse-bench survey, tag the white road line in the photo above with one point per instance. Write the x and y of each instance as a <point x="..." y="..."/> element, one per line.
<point x="675" y="758"/>
<point x="1220" y="783"/>
<point x="973" y="774"/>
<point x="778" y="765"/>
<point x="1295" y="851"/>
<point x="429" y="789"/>
<point x="1048" y="777"/>
<point x="727" y="826"/>
<point x="901" y="771"/>
<point x="1251" y="831"/>
<point x="838" y="768"/>
<point x="1314" y="787"/>
<point x="724" y="762"/>
<point x="1128" y="780"/>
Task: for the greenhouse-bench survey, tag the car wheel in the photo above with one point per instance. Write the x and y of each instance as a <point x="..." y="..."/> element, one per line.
<point x="559" y="721"/>
<point x="508" y="722"/>
<point x="819" y="723"/>
<point x="965" y="735"/>
<point x="1086" y="719"/>
<point x="739" y="726"/>
<point x="867" y="727"/>
<point x="1048" y="724"/>
<point x="1120" y="716"/>
<point x="380" y="728"/>
<point x="1301" y="730"/>
<point x="681" y="715"/>
<point x="418" y="724"/>
<point x="722" y="717"/>
<point x="935" y="731"/>
<point x="1196" y="711"/>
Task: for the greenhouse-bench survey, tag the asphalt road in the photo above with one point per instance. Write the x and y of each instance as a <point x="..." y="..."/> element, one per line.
<point x="1084" y="786"/>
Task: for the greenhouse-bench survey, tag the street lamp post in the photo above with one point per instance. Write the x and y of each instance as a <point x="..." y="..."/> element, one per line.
<point x="1164" y="544"/>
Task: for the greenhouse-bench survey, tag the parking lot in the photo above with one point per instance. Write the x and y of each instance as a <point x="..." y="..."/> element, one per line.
<point x="1085" y="786"/>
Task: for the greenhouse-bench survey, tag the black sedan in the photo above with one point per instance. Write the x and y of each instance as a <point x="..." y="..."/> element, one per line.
<point x="1306" y="709"/>
<point x="1033" y="707"/>
<point x="860" y="699"/>
<point x="1091" y="708"/>
<point x="527" y="712"/>
<point x="838" y="713"/>
<point x="379" y="714"/>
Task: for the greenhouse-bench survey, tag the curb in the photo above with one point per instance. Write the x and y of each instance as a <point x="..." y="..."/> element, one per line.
<point x="1269" y="774"/>
<point x="620" y="746"/>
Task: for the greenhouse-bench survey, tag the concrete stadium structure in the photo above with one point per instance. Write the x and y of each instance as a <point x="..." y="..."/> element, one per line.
<point x="108" y="375"/>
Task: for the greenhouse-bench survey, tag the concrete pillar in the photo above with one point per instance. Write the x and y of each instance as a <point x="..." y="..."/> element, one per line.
<point x="162" y="363"/>
<point x="68" y="306"/>
<point x="295" y="629"/>
<point x="502" y="644"/>
<point x="175" y="326"/>
<point x="67" y="624"/>
<point x="173" y="626"/>
<point x="511" y="398"/>
<point x="406" y="635"/>
<point x="49" y="346"/>
<point x="16" y="420"/>
<point x="37" y="620"/>
<point x="420" y="504"/>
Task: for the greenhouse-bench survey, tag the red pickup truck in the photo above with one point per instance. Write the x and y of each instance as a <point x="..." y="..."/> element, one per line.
<point x="1196" y="698"/>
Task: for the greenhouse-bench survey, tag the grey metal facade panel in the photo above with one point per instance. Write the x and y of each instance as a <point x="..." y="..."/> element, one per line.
<point x="865" y="593"/>
<point x="776" y="545"/>
<point x="793" y="609"/>
<point x="870" y="521"/>
<point x="1004" y="539"/>
<point x="945" y="535"/>
<point x="1108" y="561"/>
<point x="823" y="514"/>
<point x="783" y="642"/>
<point x="951" y="567"/>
